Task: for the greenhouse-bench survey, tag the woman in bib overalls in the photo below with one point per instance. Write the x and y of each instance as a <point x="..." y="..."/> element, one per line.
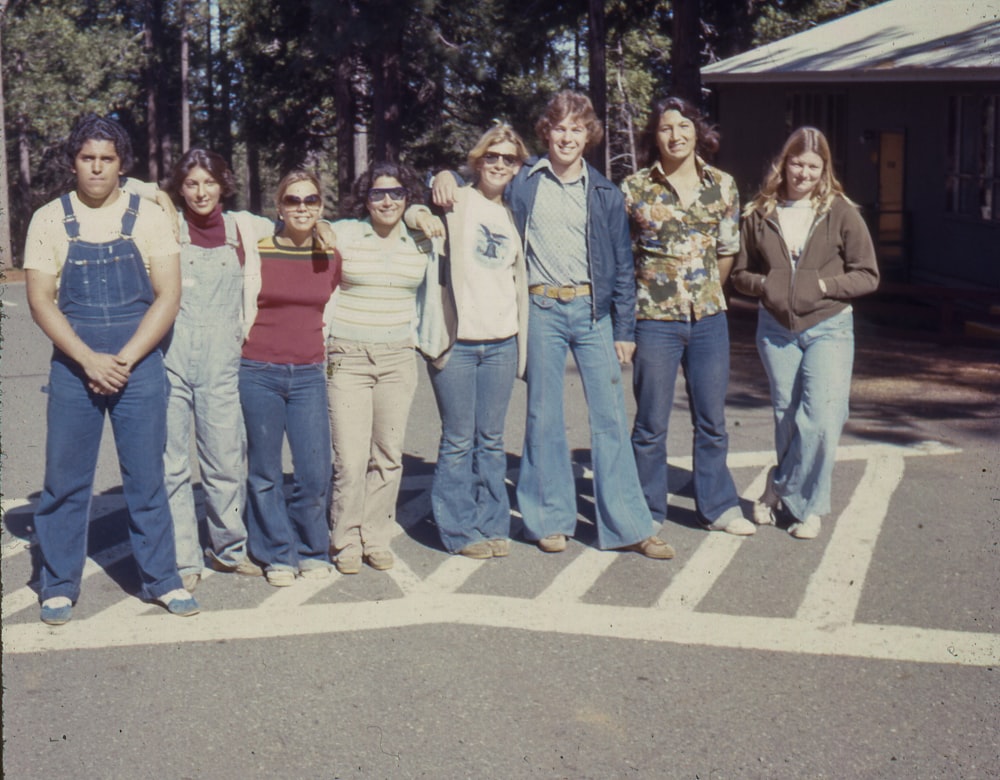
<point x="203" y="360"/>
<point x="103" y="284"/>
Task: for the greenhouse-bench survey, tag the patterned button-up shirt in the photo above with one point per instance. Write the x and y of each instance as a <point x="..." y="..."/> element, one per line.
<point x="677" y="249"/>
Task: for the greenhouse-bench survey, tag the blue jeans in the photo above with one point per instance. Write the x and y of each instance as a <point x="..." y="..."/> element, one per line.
<point x="279" y="399"/>
<point x="473" y="391"/>
<point x="546" y="491"/>
<point x="810" y="377"/>
<point x="75" y="419"/>
<point x="702" y="349"/>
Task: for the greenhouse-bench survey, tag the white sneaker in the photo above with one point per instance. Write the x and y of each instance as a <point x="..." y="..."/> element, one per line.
<point x="806" y="529"/>
<point x="733" y="522"/>
<point x="765" y="506"/>
<point x="280" y="578"/>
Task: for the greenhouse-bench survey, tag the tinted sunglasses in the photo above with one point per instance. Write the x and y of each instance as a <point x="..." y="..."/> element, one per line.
<point x="375" y="194"/>
<point x="492" y="158"/>
<point x="293" y="201"/>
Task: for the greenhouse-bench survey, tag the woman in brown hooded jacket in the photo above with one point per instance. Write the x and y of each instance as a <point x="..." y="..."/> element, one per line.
<point x="805" y="251"/>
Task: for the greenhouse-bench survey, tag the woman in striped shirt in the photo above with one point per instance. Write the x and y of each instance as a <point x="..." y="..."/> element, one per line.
<point x="372" y="372"/>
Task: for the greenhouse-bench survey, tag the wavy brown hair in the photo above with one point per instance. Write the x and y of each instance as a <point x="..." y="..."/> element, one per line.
<point x="567" y="104"/>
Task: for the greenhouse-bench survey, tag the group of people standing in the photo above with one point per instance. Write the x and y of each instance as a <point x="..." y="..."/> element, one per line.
<point x="307" y="331"/>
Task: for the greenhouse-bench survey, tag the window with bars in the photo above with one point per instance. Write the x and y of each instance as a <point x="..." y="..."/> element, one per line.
<point x="972" y="185"/>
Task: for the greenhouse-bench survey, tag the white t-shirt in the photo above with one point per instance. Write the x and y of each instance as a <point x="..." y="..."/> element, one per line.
<point x="795" y="217"/>
<point x="487" y="302"/>
<point x="47" y="244"/>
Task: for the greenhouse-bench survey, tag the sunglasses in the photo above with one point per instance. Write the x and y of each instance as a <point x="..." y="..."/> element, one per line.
<point x="375" y="194"/>
<point x="492" y="158"/>
<point x="293" y="201"/>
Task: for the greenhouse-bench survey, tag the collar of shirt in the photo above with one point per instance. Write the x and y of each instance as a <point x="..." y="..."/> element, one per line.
<point x="545" y="164"/>
<point x="705" y="172"/>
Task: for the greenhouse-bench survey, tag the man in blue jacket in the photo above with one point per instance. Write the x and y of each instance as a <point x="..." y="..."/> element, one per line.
<point x="581" y="281"/>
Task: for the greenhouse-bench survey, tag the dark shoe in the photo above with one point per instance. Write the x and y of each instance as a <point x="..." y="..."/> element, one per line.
<point x="553" y="543"/>
<point x="653" y="547"/>
<point x="56" y="611"/>
<point x="478" y="550"/>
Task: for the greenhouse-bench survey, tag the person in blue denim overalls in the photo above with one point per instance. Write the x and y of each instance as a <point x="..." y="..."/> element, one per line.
<point x="103" y="284"/>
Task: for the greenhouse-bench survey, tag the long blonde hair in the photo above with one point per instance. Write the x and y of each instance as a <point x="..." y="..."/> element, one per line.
<point x="805" y="139"/>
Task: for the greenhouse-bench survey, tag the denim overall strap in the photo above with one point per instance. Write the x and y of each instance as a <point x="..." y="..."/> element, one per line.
<point x="104" y="280"/>
<point x="131" y="214"/>
<point x="69" y="218"/>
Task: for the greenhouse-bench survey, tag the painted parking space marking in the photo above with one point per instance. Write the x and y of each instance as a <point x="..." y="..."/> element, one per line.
<point x="823" y="625"/>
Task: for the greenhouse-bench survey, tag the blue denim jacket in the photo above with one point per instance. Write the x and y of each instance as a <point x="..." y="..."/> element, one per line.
<point x="609" y="243"/>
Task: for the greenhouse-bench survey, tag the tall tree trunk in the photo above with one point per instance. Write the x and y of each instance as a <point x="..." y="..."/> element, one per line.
<point x="597" y="45"/>
<point x="253" y="177"/>
<point x="222" y="129"/>
<point x="6" y="258"/>
<point x="343" y="102"/>
<point x="152" y="98"/>
<point x="185" y="93"/>
<point x="386" y="90"/>
<point x="685" y="54"/>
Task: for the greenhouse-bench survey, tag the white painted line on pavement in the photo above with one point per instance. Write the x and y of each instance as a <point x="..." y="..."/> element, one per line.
<point x="680" y="626"/>
<point x="834" y="588"/>
<point x="700" y="572"/>
<point x="579" y="576"/>
<point x="450" y="575"/>
<point x="299" y="593"/>
<point x="22" y="598"/>
<point x="403" y="576"/>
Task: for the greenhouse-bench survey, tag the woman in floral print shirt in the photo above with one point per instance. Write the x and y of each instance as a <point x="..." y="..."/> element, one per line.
<point x="684" y="216"/>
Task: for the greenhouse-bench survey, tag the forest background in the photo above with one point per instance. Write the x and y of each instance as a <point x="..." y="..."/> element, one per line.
<point x="334" y="84"/>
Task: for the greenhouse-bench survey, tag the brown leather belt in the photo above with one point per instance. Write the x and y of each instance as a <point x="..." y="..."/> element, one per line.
<point x="566" y="293"/>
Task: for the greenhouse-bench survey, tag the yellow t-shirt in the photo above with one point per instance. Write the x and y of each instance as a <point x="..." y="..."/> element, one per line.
<point x="47" y="244"/>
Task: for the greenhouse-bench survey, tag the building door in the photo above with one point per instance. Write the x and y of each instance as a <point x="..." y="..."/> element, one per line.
<point x="893" y="229"/>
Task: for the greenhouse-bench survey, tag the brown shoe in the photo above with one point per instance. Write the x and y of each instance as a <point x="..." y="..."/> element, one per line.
<point x="478" y="550"/>
<point x="500" y="547"/>
<point x="348" y="564"/>
<point x="245" y="567"/>
<point x="653" y="547"/>
<point x="553" y="543"/>
<point x="380" y="559"/>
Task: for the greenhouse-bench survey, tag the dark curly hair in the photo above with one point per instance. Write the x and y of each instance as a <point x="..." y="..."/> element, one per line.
<point x="708" y="134"/>
<point x="214" y="163"/>
<point x="357" y="206"/>
<point x="91" y="127"/>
